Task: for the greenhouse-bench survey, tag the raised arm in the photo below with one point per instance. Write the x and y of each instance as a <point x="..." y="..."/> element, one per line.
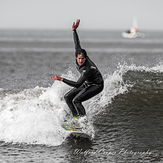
<point x="75" y="36"/>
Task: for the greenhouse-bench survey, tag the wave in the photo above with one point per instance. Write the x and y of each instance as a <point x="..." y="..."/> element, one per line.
<point x="34" y="116"/>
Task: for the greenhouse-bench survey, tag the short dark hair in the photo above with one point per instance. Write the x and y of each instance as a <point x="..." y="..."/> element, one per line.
<point x="81" y="51"/>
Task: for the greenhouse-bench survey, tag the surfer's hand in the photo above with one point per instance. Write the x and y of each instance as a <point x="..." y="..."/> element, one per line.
<point x="56" y="78"/>
<point x="74" y="26"/>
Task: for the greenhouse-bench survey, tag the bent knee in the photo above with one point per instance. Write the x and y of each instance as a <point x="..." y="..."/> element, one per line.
<point x="76" y="100"/>
<point x="67" y="98"/>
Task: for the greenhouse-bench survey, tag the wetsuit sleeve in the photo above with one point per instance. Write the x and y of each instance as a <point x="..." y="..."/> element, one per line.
<point x="76" y="41"/>
<point x="80" y="81"/>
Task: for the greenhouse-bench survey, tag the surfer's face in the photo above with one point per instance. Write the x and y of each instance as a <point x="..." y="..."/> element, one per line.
<point x="80" y="59"/>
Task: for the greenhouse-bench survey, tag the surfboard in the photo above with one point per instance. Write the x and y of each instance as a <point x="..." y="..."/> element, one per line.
<point x="76" y="131"/>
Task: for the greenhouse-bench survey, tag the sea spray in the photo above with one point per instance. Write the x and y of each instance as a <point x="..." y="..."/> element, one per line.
<point x="113" y="86"/>
<point x="34" y="116"/>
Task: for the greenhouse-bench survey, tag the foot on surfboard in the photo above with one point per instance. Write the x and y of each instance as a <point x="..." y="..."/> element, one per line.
<point x="77" y="117"/>
<point x="77" y="131"/>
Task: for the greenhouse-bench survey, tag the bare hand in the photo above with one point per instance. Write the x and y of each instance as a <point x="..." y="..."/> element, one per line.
<point x="74" y="26"/>
<point x="56" y="78"/>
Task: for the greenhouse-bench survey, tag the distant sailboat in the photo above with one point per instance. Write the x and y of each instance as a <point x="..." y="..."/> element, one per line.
<point x="133" y="32"/>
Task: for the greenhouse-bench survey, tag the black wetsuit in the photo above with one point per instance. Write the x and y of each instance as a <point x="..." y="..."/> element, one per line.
<point x="88" y="85"/>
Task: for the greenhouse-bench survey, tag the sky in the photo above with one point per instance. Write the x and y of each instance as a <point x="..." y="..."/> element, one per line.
<point x="94" y="14"/>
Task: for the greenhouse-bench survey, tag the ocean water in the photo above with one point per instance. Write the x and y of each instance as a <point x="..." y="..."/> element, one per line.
<point x="126" y="118"/>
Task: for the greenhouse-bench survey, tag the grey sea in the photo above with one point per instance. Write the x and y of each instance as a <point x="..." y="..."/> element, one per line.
<point x="126" y="118"/>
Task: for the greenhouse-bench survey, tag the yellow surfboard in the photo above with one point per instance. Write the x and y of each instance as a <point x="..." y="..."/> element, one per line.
<point x="77" y="132"/>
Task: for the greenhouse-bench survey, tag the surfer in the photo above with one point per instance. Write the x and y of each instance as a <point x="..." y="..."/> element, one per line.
<point x="88" y="85"/>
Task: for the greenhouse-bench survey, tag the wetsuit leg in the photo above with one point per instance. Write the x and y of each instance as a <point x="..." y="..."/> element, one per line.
<point x="69" y="98"/>
<point x="84" y="95"/>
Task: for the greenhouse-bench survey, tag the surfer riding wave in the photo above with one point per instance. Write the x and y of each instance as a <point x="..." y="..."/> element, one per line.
<point x="88" y="85"/>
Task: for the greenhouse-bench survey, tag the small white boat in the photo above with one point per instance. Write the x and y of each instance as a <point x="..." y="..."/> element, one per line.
<point x="133" y="32"/>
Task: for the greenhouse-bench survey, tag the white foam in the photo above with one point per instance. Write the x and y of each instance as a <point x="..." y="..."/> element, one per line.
<point x="34" y="116"/>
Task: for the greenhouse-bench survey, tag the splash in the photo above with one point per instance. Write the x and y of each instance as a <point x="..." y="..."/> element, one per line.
<point x="34" y="116"/>
<point x="114" y="85"/>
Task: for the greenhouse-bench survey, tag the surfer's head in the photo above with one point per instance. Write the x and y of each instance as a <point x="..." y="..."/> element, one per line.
<point x="81" y="51"/>
<point x="81" y="57"/>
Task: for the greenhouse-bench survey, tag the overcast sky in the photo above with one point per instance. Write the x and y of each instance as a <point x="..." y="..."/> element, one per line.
<point x="94" y="14"/>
